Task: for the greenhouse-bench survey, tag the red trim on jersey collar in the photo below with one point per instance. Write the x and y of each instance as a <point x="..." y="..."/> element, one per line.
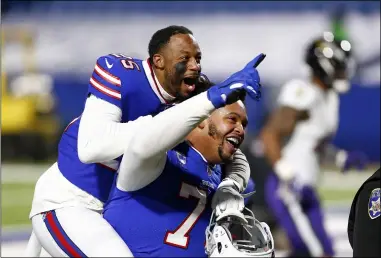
<point x="154" y="80"/>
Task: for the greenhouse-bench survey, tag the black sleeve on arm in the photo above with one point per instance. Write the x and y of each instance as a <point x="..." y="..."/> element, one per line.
<point x="367" y="231"/>
<point x="351" y="220"/>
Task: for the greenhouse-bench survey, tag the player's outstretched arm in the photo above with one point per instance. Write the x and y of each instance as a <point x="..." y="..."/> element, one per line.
<point x="176" y="122"/>
<point x="170" y="127"/>
<point x="101" y="135"/>
<point x="145" y="155"/>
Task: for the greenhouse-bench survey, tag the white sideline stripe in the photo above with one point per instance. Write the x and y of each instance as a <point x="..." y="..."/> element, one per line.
<point x="29" y="173"/>
<point x="16" y="228"/>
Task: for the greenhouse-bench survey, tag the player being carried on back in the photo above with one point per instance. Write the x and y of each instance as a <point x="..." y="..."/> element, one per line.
<point x="161" y="201"/>
<point x="69" y="196"/>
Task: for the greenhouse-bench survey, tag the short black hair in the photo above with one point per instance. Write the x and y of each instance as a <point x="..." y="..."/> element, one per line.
<point x="161" y="37"/>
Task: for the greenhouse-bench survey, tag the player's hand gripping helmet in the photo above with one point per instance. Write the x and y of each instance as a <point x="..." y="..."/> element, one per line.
<point x="238" y="235"/>
<point x="331" y="61"/>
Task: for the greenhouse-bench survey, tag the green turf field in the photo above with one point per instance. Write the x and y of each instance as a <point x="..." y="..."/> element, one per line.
<point x="16" y="201"/>
<point x="18" y="186"/>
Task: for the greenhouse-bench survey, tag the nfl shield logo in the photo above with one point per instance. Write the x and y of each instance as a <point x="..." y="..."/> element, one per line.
<point x="374" y="209"/>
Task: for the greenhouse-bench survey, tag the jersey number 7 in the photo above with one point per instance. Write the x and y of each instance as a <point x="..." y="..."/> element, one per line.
<point x="180" y="236"/>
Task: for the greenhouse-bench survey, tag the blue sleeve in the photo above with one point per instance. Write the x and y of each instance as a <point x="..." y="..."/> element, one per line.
<point x="105" y="82"/>
<point x="249" y="189"/>
<point x="176" y="158"/>
<point x="250" y="186"/>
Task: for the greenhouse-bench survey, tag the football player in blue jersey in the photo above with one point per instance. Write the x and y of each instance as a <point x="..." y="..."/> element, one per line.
<point x="69" y="197"/>
<point x="161" y="201"/>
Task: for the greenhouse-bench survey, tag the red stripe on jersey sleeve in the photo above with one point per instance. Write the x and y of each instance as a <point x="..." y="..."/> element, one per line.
<point x="104" y="89"/>
<point x="107" y="75"/>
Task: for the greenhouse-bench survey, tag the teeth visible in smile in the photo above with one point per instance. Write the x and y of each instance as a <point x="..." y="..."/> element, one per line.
<point x="233" y="141"/>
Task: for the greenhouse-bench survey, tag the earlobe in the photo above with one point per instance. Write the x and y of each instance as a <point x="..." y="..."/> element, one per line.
<point x="158" y="61"/>
<point x="202" y="125"/>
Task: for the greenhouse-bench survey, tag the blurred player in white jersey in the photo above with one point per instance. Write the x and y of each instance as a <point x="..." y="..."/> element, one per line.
<point x="307" y="114"/>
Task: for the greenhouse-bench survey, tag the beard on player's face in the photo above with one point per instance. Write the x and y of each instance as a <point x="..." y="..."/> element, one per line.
<point x="220" y="137"/>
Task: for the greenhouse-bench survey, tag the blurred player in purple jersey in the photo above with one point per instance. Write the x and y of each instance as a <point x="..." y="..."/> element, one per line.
<point x="69" y="196"/>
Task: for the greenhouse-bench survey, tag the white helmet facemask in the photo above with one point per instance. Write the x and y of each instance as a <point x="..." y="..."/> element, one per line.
<point x="232" y="236"/>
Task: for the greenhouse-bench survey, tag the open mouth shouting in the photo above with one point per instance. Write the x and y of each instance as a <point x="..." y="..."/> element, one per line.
<point x="190" y="83"/>
<point x="233" y="143"/>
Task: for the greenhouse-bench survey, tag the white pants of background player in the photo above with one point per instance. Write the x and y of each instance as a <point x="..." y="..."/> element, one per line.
<point x="75" y="227"/>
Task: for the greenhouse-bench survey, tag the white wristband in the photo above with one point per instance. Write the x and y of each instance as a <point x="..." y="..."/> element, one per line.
<point x="284" y="171"/>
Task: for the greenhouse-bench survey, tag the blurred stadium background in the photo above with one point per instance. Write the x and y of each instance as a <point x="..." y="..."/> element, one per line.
<point x="49" y="50"/>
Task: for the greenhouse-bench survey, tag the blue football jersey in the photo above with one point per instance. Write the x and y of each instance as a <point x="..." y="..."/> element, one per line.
<point x="126" y="83"/>
<point x="169" y="216"/>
